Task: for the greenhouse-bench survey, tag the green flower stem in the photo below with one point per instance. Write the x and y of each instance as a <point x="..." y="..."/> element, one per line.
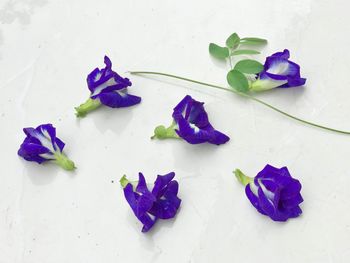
<point x="87" y="106"/>
<point x="62" y="160"/>
<point x="230" y="58"/>
<point x="243" y="95"/>
<point x="160" y="132"/>
<point x="242" y="178"/>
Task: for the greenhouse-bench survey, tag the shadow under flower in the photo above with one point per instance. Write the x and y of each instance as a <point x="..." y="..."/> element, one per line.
<point x="109" y="119"/>
<point x="40" y="174"/>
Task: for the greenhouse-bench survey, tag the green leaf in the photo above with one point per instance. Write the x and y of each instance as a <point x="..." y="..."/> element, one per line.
<point x="237" y="80"/>
<point x="249" y="66"/>
<point x="244" y="52"/>
<point x="233" y="41"/>
<point x="218" y="52"/>
<point x="253" y="41"/>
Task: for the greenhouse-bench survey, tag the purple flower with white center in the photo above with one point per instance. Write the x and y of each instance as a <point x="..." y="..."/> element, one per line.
<point x="41" y="145"/>
<point x="273" y="192"/>
<point x="278" y="72"/>
<point x="191" y="123"/>
<point x="149" y="206"/>
<point x="107" y="88"/>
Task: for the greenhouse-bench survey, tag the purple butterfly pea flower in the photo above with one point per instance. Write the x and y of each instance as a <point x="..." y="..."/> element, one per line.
<point x="107" y="88"/>
<point x="41" y="145"/>
<point x="278" y="72"/>
<point x="273" y="192"/>
<point x="191" y="123"/>
<point x="149" y="206"/>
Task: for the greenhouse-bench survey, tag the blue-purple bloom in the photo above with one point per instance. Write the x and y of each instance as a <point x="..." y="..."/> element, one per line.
<point x="149" y="206"/>
<point x="278" y="72"/>
<point x="273" y="192"/>
<point x="191" y="123"/>
<point x="107" y="88"/>
<point x="41" y="145"/>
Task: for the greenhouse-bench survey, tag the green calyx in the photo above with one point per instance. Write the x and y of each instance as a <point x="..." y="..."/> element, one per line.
<point x="160" y="132"/>
<point x="62" y="160"/>
<point x="242" y="178"/>
<point x="123" y="181"/>
<point x="86" y="107"/>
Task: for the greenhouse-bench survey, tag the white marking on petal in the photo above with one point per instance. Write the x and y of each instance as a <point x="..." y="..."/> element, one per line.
<point x="151" y="216"/>
<point x="104" y="85"/>
<point x="267" y="84"/>
<point x="97" y="77"/>
<point x="269" y="195"/>
<point x="122" y="92"/>
<point x="194" y="127"/>
<point x="44" y="139"/>
<point x="279" y="68"/>
<point x="253" y="188"/>
<point x="47" y="156"/>
<point x="57" y="148"/>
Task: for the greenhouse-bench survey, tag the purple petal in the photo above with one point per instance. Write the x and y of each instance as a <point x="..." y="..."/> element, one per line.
<point x="218" y="138"/>
<point x="144" y="204"/>
<point x="142" y="186"/>
<point x="291" y="189"/>
<point x="118" y="99"/>
<point x="293" y="201"/>
<point x="105" y="80"/>
<point x="181" y="106"/>
<point x="253" y="199"/>
<point x="284" y="54"/>
<point x="167" y="206"/>
<point x="266" y="204"/>
<point x="31" y="152"/>
<point x="93" y="78"/>
<point x="295" y="212"/>
<point x="161" y="182"/>
<point x="138" y="206"/>
<point x="60" y="144"/>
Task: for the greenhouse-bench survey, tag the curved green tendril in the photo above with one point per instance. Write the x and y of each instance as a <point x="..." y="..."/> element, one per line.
<point x="241" y="94"/>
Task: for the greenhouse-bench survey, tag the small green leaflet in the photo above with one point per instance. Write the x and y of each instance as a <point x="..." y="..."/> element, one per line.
<point x="249" y="66"/>
<point x="238" y="81"/>
<point x="218" y="52"/>
<point x="253" y="41"/>
<point x="244" y="52"/>
<point x="233" y="41"/>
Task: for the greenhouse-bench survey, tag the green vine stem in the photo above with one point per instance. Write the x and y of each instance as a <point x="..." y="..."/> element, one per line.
<point x="241" y="94"/>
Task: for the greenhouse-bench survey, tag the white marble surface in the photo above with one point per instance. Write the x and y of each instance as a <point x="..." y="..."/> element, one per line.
<point x="48" y="215"/>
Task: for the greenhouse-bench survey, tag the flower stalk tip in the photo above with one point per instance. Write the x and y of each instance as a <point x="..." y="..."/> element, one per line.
<point x="123" y="181"/>
<point x="63" y="161"/>
<point x="83" y="109"/>
<point x="160" y="132"/>
<point x="242" y="178"/>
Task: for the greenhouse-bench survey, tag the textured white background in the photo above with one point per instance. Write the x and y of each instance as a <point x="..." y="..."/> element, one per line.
<point x="48" y="215"/>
